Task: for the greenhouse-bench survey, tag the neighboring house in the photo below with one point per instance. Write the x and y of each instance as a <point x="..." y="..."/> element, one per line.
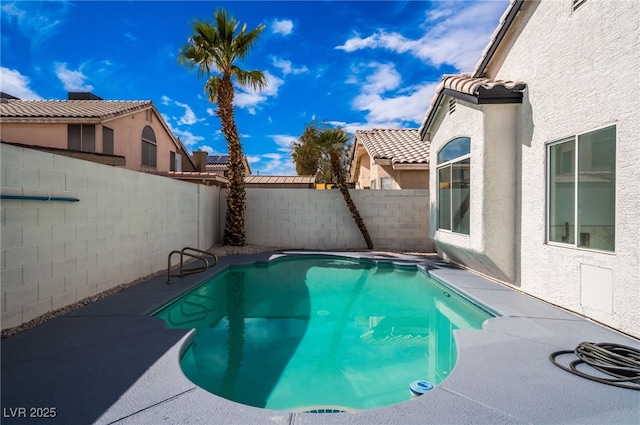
<point x="100" y="129"/>
<point x="535" y="158"/>
<point x="220" y="164"/>
<point x="389" y="159"/>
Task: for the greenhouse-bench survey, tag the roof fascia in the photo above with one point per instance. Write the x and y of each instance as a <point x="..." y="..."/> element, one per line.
<point x="509" y="18"/>
<point x="410" y="166"/>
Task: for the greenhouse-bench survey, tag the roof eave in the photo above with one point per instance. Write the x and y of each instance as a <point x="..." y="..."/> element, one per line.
<point x="411" y="166"/>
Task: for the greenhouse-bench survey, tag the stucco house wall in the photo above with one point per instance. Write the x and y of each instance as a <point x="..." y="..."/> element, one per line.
<point x="577" y="68"/>
<point x="580" y="67"/>
<point x="127" y="129"/>
<point x="492" y="131"/>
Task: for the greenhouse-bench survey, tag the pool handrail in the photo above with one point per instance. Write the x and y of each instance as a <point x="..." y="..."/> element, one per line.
<point x="196" y="254"/>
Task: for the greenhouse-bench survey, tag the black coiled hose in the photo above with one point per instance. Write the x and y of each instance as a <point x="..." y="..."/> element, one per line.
<point x="620" y="362"/>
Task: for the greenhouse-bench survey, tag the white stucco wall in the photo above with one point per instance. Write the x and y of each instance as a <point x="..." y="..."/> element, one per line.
<point x="581" y="69"/>
<point x="492" y="129"/>
<point x="123" y="228"/>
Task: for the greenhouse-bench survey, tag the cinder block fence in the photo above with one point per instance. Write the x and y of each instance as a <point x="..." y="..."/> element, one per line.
<point x="125" y="223"/>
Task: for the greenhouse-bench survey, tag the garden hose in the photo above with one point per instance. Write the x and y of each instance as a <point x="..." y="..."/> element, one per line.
<point x="619" y="362"/>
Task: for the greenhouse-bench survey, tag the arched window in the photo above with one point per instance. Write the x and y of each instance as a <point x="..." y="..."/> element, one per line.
<point x="149" y="147"/>
<point x="454" y="182"/>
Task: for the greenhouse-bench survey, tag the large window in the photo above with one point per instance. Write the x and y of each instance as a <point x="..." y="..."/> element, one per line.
<point x="582" y="184"/>
<point x="81" y="137"/>
<point x="454" y="182"/>
<point x="149" y="147"/>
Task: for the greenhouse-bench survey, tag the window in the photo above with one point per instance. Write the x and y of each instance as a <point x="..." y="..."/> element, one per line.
<point x="581" y="174"/>
<point x="386" y="183"/>
<point x="454" y="183"/>
<point x="81" y="137"/>
<point x="149" y="147"/>
<point x="373" y="184"/>
<point x="107" y="140"/>
<point x="175" y="161"/>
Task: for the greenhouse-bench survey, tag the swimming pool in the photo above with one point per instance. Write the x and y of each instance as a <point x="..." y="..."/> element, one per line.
<point x="315" y="333"/>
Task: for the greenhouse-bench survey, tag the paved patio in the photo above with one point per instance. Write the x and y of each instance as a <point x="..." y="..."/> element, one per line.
<point x="109" y="363"/>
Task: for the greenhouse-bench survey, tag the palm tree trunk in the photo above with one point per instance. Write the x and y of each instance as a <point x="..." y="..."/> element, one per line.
<point x="234" y="233"/>
<point x="342" y="186"/>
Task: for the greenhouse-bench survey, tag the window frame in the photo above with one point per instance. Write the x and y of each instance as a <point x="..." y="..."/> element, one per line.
<point x="576" y="172"/>
<point x="84" y="131"/>
<point x="387" y="180"/>
<point x="151" y="162"/>
<point x="448" y="164"/>
<point x="108" y="140"/>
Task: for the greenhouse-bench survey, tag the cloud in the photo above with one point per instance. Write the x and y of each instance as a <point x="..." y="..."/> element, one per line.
<point x="165" y="100"/>
<point x="272" y="164"/>
<point x="188" y="138"/>
<point x="286" y="66"/>
<point x="453" y="35"/>
<point x="284" y="142"/>
<point x="38" y="21"/>
<point x="283" y="26"/>
<point x="249" y="99"/>
<point x="72" y="80"/>
<point x="388" y="104"/>
<point x="189" y="116"/>
<point x="16" y="84"/>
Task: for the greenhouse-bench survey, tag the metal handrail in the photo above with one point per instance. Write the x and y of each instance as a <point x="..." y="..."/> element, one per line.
<point x="197" y="254"/>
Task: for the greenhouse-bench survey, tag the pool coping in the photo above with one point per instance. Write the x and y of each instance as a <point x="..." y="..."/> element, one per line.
<point x="110" y="363"/>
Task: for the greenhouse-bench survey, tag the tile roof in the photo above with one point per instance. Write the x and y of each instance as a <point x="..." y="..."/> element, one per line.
<point x="280" y="180"/>
<point x="467" y="85"/>
<point x="100" y="109"/>
<point x="401" y="146"/>
<point x="464" y="83"/>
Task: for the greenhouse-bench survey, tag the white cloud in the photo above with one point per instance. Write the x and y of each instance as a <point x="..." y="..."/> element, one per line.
<point x="165" y="100"/>
<point x="72" y="80"/>
<point x="284" y="142"/>
<point x="211" y="111"/>
<point x="282" y="26"/>
<point x="249" y="99"/>
<point x="38" y="21"/>
<point x="188" y="138"/>
<point x="458" y="39"/>
<point x="273" y="164"/>
<point x="209" y="150"/>
<point x="189" y="116"/>
<point x="286" y="66"/>
<point x="16" y="84"/>
<point x="387" y="103"/>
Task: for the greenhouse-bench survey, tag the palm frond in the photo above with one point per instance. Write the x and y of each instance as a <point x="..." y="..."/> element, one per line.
<point x="254" y="79"/>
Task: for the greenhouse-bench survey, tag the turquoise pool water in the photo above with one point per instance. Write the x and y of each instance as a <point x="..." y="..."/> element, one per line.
<point x="309" y="333"/>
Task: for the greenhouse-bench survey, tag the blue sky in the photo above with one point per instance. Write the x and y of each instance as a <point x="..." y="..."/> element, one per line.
<point x="357" y="65"/>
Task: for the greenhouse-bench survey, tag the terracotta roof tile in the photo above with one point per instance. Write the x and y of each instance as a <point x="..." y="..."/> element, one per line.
<point x="100" y="109"/>
<point x="401" y="146"/>
<point x="279" y="179"/>
<point x="464" y="83"/>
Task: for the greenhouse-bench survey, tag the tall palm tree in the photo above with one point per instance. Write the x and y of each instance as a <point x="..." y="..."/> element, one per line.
<point x="332" y="143"/>
<point x="215" y="48"/>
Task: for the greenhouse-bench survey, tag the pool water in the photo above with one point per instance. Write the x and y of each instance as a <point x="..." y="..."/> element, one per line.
<point x="319" y="333"/>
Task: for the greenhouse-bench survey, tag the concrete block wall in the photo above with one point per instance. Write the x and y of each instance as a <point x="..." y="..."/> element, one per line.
<point x="320" y="219"/>
<point x="123" y="228"/>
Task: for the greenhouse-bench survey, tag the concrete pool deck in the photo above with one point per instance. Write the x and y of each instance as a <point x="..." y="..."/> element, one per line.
<point x="110" y="363"/>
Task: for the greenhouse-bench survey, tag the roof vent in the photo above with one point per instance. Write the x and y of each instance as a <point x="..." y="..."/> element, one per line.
<point x="452" y="106"/>
<point x="82" y="95"/>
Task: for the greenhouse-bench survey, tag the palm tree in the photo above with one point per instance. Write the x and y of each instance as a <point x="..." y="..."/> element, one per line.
<point x="214" y="48"/>
<point x="332" y="143"/>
